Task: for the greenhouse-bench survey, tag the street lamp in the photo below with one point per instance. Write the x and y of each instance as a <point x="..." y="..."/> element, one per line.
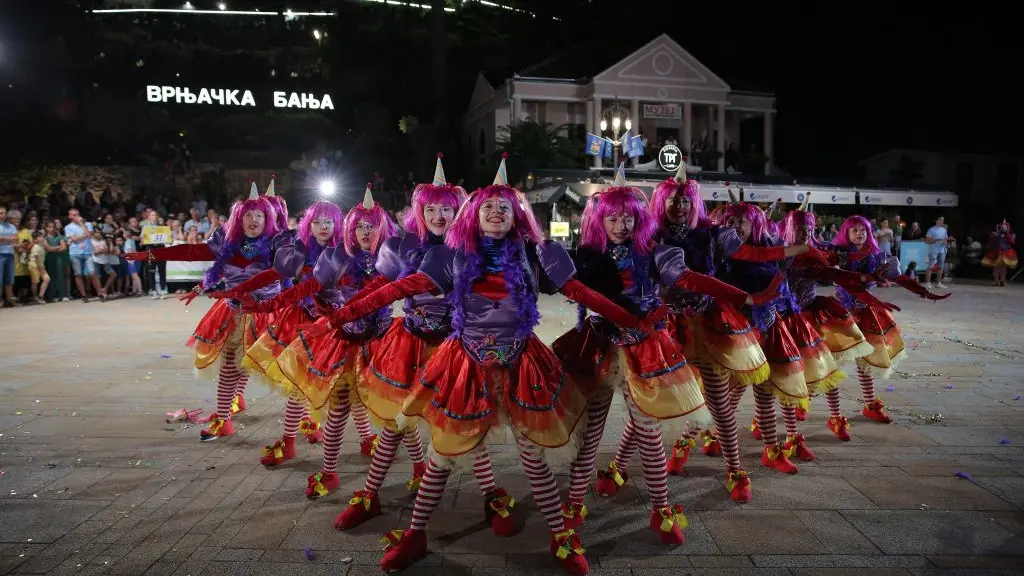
<point x="617" y="114"/>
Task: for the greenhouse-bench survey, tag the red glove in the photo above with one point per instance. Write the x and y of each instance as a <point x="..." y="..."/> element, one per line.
<point x="188" y="297"/>
<point x="409" y="286"/>
<point x="702" y="284"/>
<point x="369" y="288"/>
<point x="650" y="321"/>
<point x="813" y="256"/>
<point x="869" y="299"/>
<point x="770" y="293"/>
<point x="265" y="278"/>
<point x="749" y="253"/>
<point x="284" y="299"/>
<point x="849" y="280"/>
<point x="575" y="290"/>
<point x="179" y="253"/>
<point x="914" y="286"/>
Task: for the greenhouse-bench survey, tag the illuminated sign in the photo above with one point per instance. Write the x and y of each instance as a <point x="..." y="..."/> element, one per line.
<point x="559" y="230"/>
<point x="226" y="97"/>
<point x="669" y="157"/>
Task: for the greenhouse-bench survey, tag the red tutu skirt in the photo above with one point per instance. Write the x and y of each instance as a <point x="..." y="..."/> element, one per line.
<point x="994" y="258"/>
<point x="723" y="339"/>
<point x="392" y="371"/>
<point x="462" y="400"/>
<point x="787" y="380"/>
<point x="318" y="365"/>
<point x="224" y="327"/>
<point x="838" y="327"/>
<point x="883" y="334"/>
<point x="821" y="373"/>
<point x="659" y="378"/>
<point x="283" y="328"/>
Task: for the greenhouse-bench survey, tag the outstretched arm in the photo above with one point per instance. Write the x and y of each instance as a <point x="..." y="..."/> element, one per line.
<point x="411" y="285"/>
<point x="179" y="253"/>
<point x="286" y="298"/>
<point x="852" y="281"/>
<point x="702" y="284"/>
<point x="577" y="292"/>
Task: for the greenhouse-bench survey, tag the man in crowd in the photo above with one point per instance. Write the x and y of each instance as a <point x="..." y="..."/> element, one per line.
<point x="8" y="248"/>
<point x="936" y="239"/>
<point x="79" y="236"/>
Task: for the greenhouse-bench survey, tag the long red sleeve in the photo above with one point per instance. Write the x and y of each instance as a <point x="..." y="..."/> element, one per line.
<point x="750" y="253"/>
<point x="914" y="286"/>
<point x="288" y="297"/>
<point x="575" y="290"/>
<point x="844" y="278"/>
<point x="409" y="286"/>
<point x="371" y="286"/>
<point x="179" y="253"/>
<point x="708" y="286"/>
<point x="258" y="281"/>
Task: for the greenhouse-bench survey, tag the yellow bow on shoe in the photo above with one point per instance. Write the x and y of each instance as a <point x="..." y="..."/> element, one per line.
<point x="571" y="512"/>
<point x="362" y="497"/>
<point x="307" y="426"/>
<point x="216" y="423"/>
<point x="568" y="543"/>
<point x="672" y="515"/>
<point x="502" y="505"/>
<point x="613" y="471"/>
<point x="391" y="539"/>
<point x="318" y="486"/>
<point x="235" y="408"/>
<point x="277" y="450"/>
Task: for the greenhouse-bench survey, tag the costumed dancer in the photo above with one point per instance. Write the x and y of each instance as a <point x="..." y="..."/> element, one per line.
<point x="325" y="367"/>
<point x="393" y="371"/>
<point x="321" y="227"/>
<point x="617" y="257"/>
<point x="226" y="330"/>
<point x="857" y="251"/>
<point x="1000" y="254"/>
<point x="717" y="338"/>
<point x="493" y="373"/>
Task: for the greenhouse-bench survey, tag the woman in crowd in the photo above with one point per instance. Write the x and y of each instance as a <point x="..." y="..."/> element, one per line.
<point x="1000" y="255"/>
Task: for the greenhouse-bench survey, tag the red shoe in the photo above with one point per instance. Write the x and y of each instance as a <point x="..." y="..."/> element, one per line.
<point x="609" y="482"/>
<point x="755" y="429"/>
<point x="680" y="454"/>
<point x="311" y="430"/>
<point x="363" y="506"/>
<point x="840" y="426"/>
<point x="498" y="511"/>
<point x="321" y="484"/>
<point x="795" y="446"/>
<point x="801" y="414"/>
<point x="738" y="484"/>
<point x="772" y="457"/>
<point x="875" y="410"/>
<point x="670" y="522"/>
<point x="238" y="404"/>
<point x="712" y="447"/>
<point x="368" y="445"/>
<point x="573" y="515"/>
<point x="566" y="546"/>
<point x="218" y="428"/>
<point x="418" y="470"/>
<point x="281" y="450"/>
<point x="401" y="549"/>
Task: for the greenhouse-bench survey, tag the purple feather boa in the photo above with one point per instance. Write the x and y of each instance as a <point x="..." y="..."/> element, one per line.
<point x="228" y="251"/>
<point x="512" y="257"/>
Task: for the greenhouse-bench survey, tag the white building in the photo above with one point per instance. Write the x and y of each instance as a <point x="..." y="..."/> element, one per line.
<point x="664" y="91"/>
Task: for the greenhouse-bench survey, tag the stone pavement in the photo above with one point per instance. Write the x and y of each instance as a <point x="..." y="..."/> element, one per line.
<point x="94" y="482"/>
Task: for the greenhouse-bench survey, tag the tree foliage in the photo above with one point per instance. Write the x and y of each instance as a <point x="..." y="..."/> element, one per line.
<point x="531" y="145"/>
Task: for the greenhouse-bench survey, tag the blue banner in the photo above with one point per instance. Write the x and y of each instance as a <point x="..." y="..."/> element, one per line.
<point x="596" y="145"/>
<point x="635" y="147"/>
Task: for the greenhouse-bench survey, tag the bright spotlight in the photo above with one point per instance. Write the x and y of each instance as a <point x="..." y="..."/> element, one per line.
<point x="327" y="188"/>
<point x="222" y="6"/>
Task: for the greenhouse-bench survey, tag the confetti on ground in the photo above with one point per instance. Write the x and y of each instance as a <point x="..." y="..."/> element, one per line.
<point x="1001" y="353"/>
<point x="165" y="355"/>
<point x="950" y="386"/>
<point x="964" y="475"/>
<point x="309" y="554"/>
<point x="890" y="388"/>
<point x="1004" y="441"/>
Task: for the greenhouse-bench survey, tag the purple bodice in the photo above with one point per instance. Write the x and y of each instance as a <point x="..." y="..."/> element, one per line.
<point x="754" y="277"/>
<point x="1001" y="241"/>
<point x="628" y="279"/>
<point x="496" y="331"/>
<point x="804" y="289"/>
<point x="427" y="315"/>
<point x="340" y="277"/>
<point x="260" y="251"/>
<point x="865" y="266"/>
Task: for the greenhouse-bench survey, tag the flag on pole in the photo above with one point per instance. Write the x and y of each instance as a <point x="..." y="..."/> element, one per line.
<point x="595" y="145"/>
<point x="635" y="149"/>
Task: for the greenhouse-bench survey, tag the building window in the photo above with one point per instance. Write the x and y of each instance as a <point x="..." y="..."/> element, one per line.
<point x="534" y="111"/>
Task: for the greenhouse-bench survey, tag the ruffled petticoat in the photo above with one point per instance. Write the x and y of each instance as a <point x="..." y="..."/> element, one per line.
<point x="462" y="400"/>
<point x="722" y="338"/>
<point x="319" y="364"/>
<point x="838" y="327"/>
<point x="883" y="334"/>
<point x="995" y="258"/>
<point x="821" y="372"/>
<point x="652" y="369"/>
<point x="787" y="382"/>
<point x="392" y="372"/>
<point x="261" y="358"/>
<point x="221" y="328"/>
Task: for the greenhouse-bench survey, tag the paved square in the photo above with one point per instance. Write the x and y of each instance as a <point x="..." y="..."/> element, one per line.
<point x="92" y="481"/>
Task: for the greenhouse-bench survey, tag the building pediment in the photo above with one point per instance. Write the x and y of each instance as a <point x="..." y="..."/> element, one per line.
<point x="662" y="62"/>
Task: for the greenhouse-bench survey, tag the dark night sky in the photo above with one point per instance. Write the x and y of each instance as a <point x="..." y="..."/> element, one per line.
<point x="850" y="82"/>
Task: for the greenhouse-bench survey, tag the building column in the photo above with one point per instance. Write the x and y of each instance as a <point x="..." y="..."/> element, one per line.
<point x="769" y="142"/>
<point x="687" y="128"/>
<point x="634" y="117"/>
<point x="597" y="125"/>
<point x="517" y="110"/>
<point x="720" y="144"/>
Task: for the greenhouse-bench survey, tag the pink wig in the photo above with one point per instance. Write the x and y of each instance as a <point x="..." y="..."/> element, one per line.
<point x="375" y="216"/>
<point x="750" y="213"/>
<point x="465" y="234"/>
<point x="715" y="216"/>
<point x="235" y="224"/>
<point x="794" y="220"/>
<point x="425" y="194"/>
<point x="322" y="209"/>
<point x="281" y="208"/>
<point x="624" y="200"/>
<point x="843" y="236"/>
<point x="690" y="189"/>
